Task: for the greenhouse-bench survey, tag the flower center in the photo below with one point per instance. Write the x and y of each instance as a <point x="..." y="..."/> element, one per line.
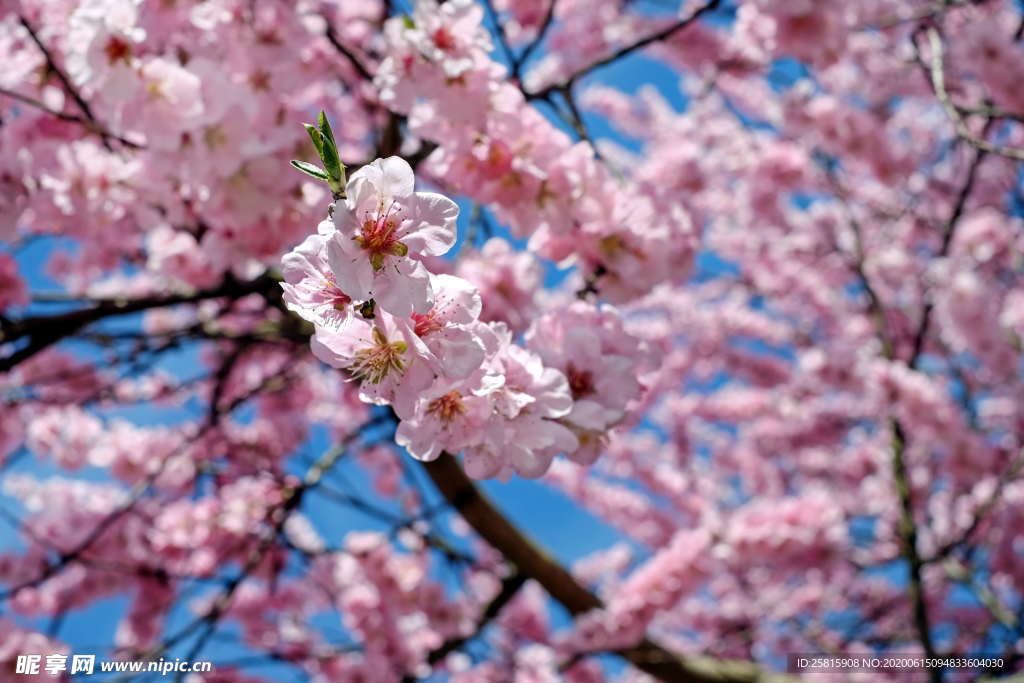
<point x="117" y="50"/>
<point x="581" y="382"/>
<point x="425" y="323"/>
<point x="335" y="297"/>
<point x="378" y="237"/>
<point x="447" y="407"/>
<point x="443" y="39"/>
<point x="375" y="363"/>
<point x="215" y="137"/>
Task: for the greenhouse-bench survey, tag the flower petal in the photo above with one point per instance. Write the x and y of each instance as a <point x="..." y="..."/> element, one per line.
<point x="352" y="271"/>
<point x="403" y="286"/>
<point x="431" y="229"/>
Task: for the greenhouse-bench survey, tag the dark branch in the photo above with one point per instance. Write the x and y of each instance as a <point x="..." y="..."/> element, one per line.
<point x="534" y="563"/>
<point x="332" y="37"/>
<point x="90" y="118"/>
<point x="44" y="331"/>
<point x="655" y="37"/>
<point x="509" y="587"/>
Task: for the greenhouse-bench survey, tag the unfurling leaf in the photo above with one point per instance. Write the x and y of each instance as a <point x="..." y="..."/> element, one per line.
<point x="310" y="169"/>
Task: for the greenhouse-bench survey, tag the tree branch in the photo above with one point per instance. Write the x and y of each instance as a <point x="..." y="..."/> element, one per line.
<point x="532" y="562"/>
<point x="44" y="331"/>
<point x="509" y="587"/>
<point x="917" y="349"/>
<point x="907" y="529"/>
<point x="332" y="37"/>
<point x="90" y="118"/>
<point x="664" y="33"/>
<point x="938" y="81"/>
<point x="517" y="66"/>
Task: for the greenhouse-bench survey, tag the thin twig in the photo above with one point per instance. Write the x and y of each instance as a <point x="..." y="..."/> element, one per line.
<point x="332" y="37"/>
<point x="517" y="66"/>
<point x="655" y="37"/>
<point x="90" y="118"/>
<point x="938" y="79"/>
<point x="509" y="588"/>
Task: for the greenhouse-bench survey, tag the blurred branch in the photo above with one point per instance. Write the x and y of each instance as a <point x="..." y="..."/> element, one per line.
<point x="875" y="305"/>
<point x="90" y="117"/>
<point x="332" y="37"/>
<point x="907" y="527"/>
<point x="982" y="511"/>
<point x="44" y="331"/>
<point x="907" y="531"/>
<point x="499" y="29"/>
<point x="517" y="65"/>
<point x="655" y="37"/>
<point x="276" y="518"/>
<point x="509" y="588"/>
<point x="938" y="81"/>
<point x="948" y="231"/>
<point x="962" y="574"/>
<point x="138" y="491"/>
<point x="534" y="563"/>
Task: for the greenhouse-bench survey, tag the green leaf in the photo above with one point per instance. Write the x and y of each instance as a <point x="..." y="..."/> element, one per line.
<point x="316" y="137"/>
<point x="325" y="128"/>
<point x="408" y="22"/>
<point x="310" y="169"/>
<point x="331" y="162"/>
<point x="329" y="153"/>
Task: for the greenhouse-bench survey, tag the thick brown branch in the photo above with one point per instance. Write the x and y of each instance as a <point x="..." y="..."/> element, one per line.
<point x="534" y="563"/>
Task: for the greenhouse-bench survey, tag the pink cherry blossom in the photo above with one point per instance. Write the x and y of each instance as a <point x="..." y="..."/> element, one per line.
<point x="738" y="288"/>
<point x="381" y="226"/>
<point x="377" y="355"/>
<point x="310" y="287"/>
<point x="507" y="281"/>
<point x="446" y="333"/>
<point x="13" y="291"/>
<point x="449" y="416"/>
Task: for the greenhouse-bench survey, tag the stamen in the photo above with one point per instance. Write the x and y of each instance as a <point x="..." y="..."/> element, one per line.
<point x="581" y="382"/>
<point x="373" y="364"/>
<point x="447" y="407"/>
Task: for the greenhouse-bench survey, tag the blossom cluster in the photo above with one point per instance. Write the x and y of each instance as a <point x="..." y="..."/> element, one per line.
<point x="777" y="286"/>
<point x="496" y="148"/>
<point x="414" y="340"/>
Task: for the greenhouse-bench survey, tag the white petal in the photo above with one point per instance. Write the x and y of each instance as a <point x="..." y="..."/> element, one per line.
<point x="352" y="271"/>
<point x="432" y="229"/>
<point x="403" y="286"/>
<point x="397" y="180"/>
<point x="459" y="350"/>
<point x="455" y="299"/>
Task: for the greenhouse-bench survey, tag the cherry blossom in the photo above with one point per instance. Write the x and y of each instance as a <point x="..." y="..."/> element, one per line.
<point x="379" y="356"/>
<point x="310" y="287"/>
<point x="381" y="226"/>
<point x="724" y="299"/>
